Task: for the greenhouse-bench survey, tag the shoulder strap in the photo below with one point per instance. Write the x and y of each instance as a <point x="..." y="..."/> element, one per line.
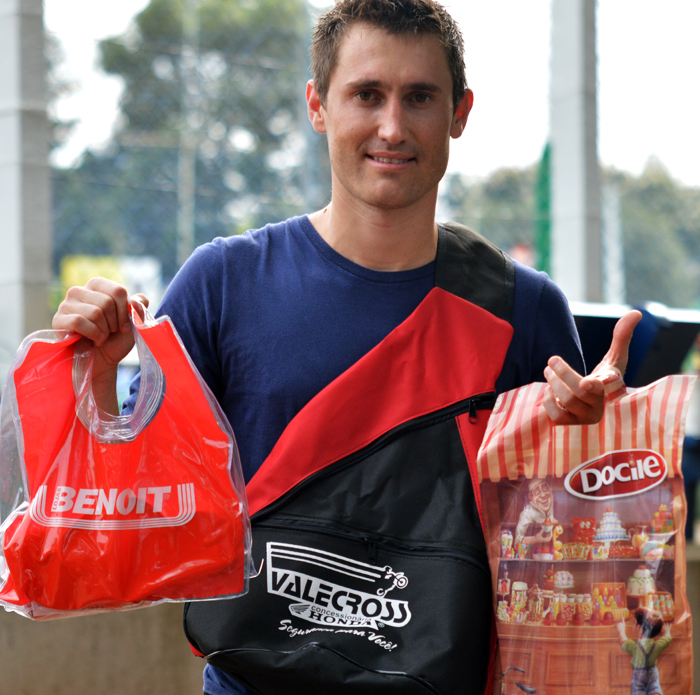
<point x="472" y="268"/>
<point x="647" y="654"/>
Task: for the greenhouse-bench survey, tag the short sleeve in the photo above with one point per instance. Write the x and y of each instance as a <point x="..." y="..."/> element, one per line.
<point x="543" y="326"/>
<point x="193" y="303"/>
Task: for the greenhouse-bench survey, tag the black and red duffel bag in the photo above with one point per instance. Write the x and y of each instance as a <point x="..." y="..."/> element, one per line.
<point x="366" y="516"/>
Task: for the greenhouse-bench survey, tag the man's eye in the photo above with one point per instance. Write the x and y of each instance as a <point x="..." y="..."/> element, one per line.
<point x="364" y="96"/>
<point x="421" y="98"/>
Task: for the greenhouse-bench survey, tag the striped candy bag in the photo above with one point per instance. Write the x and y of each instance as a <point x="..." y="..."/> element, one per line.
<point x="585" y="534"/>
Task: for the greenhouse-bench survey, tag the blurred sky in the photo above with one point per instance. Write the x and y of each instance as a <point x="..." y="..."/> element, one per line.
<point x="648" y="63"/>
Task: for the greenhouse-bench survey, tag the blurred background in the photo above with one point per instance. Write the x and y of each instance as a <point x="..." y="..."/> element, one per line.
<point x="175" y="121"/>
<point x="171" y="122"/>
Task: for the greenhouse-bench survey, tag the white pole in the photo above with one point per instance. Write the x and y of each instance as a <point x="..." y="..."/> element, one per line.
<point x="25" y="228"/>
<point x="613" y="253"/>
<point x="575" y="206"/>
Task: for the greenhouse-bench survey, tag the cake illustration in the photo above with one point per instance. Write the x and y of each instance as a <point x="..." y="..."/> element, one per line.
<point x="662" y="521"/>
<point x="641" y="582"/>
<point x="563" y="580"/>
<point x="610" y="528"/>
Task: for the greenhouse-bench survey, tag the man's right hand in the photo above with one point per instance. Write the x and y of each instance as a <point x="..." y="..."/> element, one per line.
<point x="100" y="311"/>
<point x="542" y="536"/>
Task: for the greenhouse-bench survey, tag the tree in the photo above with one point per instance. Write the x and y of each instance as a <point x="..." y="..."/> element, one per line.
<point x="660" y="222"/>
<point x="501" y="207"/>
<point x="218" y="84"/>
<point x="661" y="241"/>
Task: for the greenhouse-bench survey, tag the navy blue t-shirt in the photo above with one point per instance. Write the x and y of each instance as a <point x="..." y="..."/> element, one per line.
<point x="272" y="316"/>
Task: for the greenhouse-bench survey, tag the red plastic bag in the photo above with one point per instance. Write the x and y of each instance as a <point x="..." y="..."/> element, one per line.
<point x="102" y="513"/>
<point x="584" y="529"/>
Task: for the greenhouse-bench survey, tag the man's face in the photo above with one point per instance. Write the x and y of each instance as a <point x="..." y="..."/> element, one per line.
<point x="389" y="117"/>
<point x="541" y="496"/>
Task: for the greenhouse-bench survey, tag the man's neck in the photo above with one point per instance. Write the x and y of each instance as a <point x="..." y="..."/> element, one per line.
<point x="386" y="240"/>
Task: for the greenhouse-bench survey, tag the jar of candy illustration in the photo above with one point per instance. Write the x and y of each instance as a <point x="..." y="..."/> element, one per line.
<point x="518" y="597"/>
<point x="587" y="607"/>
<point x="506" y="542"/>
<point x="569" y="607"/>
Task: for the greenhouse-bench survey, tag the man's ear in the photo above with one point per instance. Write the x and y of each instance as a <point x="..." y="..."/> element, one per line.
<point x="315" y="108"/>
<point x="459" y="121"/>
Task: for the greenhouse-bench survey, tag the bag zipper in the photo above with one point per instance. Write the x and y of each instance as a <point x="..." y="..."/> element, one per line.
<point x="374" y="542"/>
<point x="482" y="401"/>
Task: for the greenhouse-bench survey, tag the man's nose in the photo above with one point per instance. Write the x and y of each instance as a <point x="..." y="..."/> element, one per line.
<point x="392" y="125"/>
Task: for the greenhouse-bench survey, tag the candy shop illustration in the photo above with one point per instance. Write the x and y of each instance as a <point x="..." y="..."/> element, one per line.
<point x="588" y="557"/>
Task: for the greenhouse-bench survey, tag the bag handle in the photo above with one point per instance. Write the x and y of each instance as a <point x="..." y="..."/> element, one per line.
<point x="115" y="429"/>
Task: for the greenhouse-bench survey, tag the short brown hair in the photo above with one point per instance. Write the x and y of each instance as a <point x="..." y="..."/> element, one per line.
<point x="418" y="17"/>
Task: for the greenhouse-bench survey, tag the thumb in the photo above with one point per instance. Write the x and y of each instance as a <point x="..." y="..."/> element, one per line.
<point x="616" y="357"/>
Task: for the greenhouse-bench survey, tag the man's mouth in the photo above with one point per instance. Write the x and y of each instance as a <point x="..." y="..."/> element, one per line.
<point x="390" y="160"/>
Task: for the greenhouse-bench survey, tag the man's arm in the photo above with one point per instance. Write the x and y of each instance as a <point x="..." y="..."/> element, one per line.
<point x="100" y="311"/>
<point x="573" y="399"/>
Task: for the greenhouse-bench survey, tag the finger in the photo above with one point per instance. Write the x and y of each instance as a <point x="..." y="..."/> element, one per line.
<point x="139" y="302"/>
<point x="602" y="382"/>
<point x="611" y="381"/>
<point x="604" y="377"/>
<point x="585" y="407"/>
<point x="569" y="386"/>
<point x="558" y="414"/>
<point x="82" y="312"/>
<point x="73" y="322"/>
<point x="114" y="302"/>
<point x="557" y="368"/>
<point x="141" y="298"/>
<point x="618" y="354"/>
<point x="90" y="311"/>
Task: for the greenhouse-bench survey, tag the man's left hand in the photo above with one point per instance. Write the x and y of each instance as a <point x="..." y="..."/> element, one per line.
<point x="573" y="399"/>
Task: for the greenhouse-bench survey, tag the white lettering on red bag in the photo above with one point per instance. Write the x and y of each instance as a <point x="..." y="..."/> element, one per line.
<point x="70" y="507"/>
<point x="617" y="474"/>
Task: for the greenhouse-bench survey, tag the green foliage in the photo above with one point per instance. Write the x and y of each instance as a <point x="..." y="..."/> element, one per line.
<point x="660" y="222"/>
<point x="230" y="87"/>
<point x="58" y="84"/>
<point x="500" y="207"/>
<point x="661" y="239"/>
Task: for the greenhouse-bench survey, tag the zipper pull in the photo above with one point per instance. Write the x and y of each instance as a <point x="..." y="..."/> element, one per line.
<point x="472" y="411"/>
<point x="371" y="550"/>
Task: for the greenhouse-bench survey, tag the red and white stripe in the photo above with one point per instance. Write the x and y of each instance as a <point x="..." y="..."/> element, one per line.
<point x="521" y="440"/>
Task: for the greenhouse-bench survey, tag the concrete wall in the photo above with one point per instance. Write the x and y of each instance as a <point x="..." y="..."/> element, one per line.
<point x="142" y="652"/>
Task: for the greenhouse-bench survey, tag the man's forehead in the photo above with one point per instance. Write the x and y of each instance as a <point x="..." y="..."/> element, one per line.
<point x="363" y="43"/>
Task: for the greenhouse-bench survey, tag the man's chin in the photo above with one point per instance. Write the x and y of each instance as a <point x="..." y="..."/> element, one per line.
<point x="387" y="199"/>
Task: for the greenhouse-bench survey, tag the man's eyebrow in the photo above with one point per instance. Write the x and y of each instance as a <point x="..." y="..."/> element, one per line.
<point x="412" y="87"/>
<point x="425" y="87"/>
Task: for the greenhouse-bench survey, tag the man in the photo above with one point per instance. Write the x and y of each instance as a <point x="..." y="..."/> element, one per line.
<point x="274" y="316"/>
<point x="538" y="511"/>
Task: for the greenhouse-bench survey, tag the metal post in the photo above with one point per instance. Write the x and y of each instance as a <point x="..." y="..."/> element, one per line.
<point x="613" y="251"/>
<point x="25" y="230"/>
<point x="576" y="214"/>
